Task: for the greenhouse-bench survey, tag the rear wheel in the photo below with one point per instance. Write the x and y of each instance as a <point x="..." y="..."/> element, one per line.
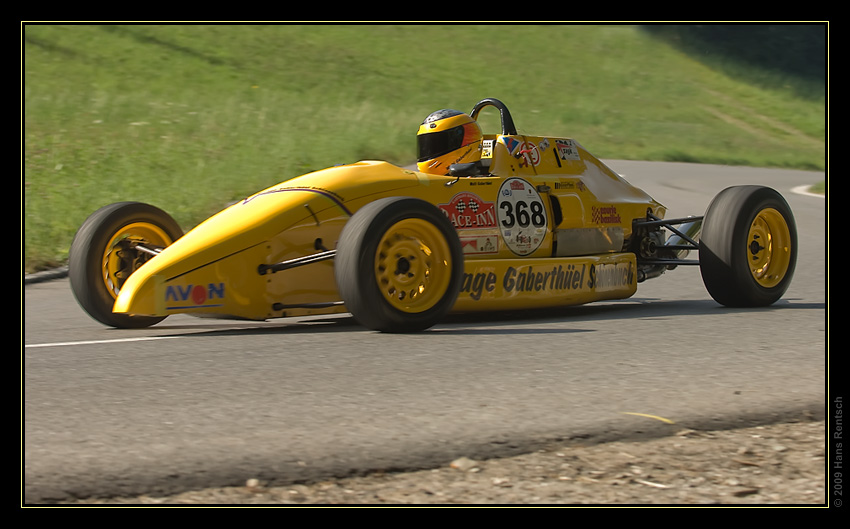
<point x="748" y="246"/>
<point x="110" y="245"/>
<point x="398" y="265"/>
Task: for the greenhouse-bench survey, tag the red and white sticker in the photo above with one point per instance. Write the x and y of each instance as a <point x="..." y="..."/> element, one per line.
<point x="530" y="153"/>
<point x="468" y="211"/>
<point x="480" y="244"/>
<point x="567" y="150"/>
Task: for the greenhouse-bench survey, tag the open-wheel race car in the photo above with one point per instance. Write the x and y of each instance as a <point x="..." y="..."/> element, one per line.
<point x="488" y="222"/>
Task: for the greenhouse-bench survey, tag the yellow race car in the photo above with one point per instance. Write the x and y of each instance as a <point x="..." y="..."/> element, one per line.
<point x="487" y="222"/>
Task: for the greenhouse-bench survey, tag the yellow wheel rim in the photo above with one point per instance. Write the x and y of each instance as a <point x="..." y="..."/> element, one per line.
<point x="120" y="259"/>
<point x="769" y="248"/>
<point x="413" y="265"/>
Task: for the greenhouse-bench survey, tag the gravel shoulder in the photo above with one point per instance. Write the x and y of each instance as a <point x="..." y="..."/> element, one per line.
<point x="779" y="464"/>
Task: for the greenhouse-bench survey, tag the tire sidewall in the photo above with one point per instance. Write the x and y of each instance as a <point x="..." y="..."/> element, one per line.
<point x="723" y="246"/>
<point x="355" y="261"/>
<point x="85" y="267"/>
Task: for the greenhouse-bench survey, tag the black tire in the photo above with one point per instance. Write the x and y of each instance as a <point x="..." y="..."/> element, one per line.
<point x="416" y="291"/>
<point x="748" y="247"/>
<point x="94" y="256"/>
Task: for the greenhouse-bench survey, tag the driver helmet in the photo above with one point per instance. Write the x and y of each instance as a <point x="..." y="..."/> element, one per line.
<point x="447" y="137"/>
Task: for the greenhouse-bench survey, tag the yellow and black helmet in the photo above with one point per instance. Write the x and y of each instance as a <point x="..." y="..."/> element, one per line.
<point x="447" y="137"/>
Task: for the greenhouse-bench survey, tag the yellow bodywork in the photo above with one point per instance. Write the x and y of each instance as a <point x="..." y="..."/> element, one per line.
<point x="546" y="227"/>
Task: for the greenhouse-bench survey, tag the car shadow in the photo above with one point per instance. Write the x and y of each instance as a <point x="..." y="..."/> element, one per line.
<point x="482" y="323"/>
<point x="642" y="308"/>
<point x="631" y="309"/>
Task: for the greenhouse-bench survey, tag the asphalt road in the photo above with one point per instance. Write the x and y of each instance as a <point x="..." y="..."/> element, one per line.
<point x="193" y="403"/>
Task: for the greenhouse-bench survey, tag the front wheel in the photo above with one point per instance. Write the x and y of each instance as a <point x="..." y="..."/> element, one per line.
<point x="398" y="265"/>
<point x="748" y="246"/>
<point x="110" y="245"/>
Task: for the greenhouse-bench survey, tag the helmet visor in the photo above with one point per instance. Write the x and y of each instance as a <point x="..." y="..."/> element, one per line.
<point x="436" y="144"/>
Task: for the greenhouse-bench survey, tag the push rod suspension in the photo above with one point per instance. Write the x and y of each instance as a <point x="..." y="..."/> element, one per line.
<point x="294" y="263"/>
<point x="654" y="221"/>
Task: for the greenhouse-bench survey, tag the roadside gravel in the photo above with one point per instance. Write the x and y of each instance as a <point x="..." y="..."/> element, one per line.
<point x="780" y="464"/>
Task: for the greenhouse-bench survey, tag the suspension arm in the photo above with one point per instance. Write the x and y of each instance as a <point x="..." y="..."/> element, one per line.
<point x="298" y="261"/>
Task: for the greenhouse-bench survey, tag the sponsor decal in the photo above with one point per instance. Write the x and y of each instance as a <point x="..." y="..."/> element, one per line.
<point x="605" y="215"/>
<point x="612" y="276"/>
<point x="530" y="154"/>
<point x="521" y="215"/>
<point x="469" y="211"/>
<point x="562" y="278"/>
<point x="192" y="296"/>
<point x="567" y="278"/>
<point x="476" y="284"/>
<point x="571" y="184"/>
<point x="487" y="149"/>
<point x="511" y="144"/>
<point x="567" y="150"/>
<point x="480" y="245"/>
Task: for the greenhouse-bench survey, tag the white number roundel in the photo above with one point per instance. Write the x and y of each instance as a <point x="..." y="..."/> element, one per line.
<point x="521" y="215"/>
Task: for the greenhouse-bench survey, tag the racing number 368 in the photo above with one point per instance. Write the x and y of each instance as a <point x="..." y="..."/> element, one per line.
<point x="523" y="214"/>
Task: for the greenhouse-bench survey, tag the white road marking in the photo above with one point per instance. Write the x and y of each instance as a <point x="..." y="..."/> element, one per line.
<point x="804" y="190"/>
<point x="99" y="342"/>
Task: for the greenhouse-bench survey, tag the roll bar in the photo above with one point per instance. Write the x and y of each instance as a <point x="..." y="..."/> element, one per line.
<point x="508" y="127"/>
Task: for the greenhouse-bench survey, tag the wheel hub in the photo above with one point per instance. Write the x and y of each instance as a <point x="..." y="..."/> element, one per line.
<point x="121" y="258"/>
<point x="411" y="265"/>
<point x="769" y="247"/>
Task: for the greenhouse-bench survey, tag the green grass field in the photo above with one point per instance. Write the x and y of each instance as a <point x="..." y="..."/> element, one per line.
<point x="192" y="117"/>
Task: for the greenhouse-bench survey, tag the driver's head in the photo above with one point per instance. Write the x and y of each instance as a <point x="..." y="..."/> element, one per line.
<point x="447" y="137"/>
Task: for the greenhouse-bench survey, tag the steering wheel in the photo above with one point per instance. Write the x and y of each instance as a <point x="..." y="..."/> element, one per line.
<point x="508" y="127"/>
